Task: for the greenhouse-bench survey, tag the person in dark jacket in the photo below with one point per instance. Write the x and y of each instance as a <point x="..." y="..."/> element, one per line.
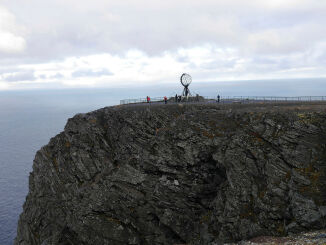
<point x="179" y="98"/>
<point x="176" y="98"/>
<point x="218" y="98"/>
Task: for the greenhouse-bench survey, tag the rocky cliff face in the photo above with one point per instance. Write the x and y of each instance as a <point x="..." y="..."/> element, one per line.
<point x="193" y="174"/>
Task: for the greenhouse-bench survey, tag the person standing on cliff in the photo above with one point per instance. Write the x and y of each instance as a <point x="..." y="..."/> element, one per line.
<point x="148" y="99"/>
<point x="165" y="100"/>
<point x="218" y="98"/>
<point x="176" y="98"/>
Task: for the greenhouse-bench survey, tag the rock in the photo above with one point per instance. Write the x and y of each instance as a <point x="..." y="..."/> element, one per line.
<point x="322" y="210"/>
<point x="304" y="238"/>
<point x="190" y="174"/>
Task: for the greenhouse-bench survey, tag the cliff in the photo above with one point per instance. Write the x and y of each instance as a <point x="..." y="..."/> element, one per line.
<point x="195" y="174"/>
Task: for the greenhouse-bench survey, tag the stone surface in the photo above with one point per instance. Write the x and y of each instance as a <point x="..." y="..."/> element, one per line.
<point x="191" y="174"/>
<point x="304" y="238"/>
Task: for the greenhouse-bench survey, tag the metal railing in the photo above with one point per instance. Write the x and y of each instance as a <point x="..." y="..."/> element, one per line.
<point x="232" y="99"/>
<point x="141" y="100"/>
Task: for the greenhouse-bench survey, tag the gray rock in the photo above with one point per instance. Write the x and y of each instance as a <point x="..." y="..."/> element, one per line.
<point x="175" y="175"/>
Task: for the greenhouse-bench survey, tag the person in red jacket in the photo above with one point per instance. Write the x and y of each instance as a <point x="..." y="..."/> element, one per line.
<point x="148" y="99"/>
<point x="165" y="100"/>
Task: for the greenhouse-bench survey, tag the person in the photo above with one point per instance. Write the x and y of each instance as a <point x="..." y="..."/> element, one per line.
<point x="176" y="98"/>
<point x="165" y="100"/>
<point x="179" y="98"/>
<point x="148" y="99"/>
<point x="218" y="98"/>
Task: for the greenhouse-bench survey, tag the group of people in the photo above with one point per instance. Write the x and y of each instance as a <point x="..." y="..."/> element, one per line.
<point x="148" y="99"/>
<point x="178" y="99"/>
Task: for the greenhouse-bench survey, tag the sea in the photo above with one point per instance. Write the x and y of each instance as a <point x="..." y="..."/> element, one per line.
<point x="29" y="118"/>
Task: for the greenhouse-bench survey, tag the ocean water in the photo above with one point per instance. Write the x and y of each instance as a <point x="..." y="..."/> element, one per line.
<point x="28" y="119"/>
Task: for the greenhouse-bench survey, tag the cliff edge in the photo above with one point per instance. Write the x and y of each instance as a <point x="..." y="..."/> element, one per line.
<point x="179" y="174"/>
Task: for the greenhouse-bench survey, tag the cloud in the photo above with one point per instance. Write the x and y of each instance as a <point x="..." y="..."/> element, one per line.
<point x="56" y="76"/>
<point x="10" y="40"/>
<point x="9" y="43"/>
<point x="115" y="26"/>
<point x="21" y="76"/>
<point x="144" y="41"/>
<point x="91" y="73"/>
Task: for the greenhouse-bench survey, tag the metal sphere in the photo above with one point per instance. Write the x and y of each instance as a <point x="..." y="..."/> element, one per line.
<point x="185" y="79"/>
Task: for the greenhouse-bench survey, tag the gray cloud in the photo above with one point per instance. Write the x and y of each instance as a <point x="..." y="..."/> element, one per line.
<point x="8" y="70"/>
<point x="115" y="27"/>
<point x="213" y="65"/>
<point x="57" y="76"/>
<point x="91" y="73"/>
<point x="265" y="35"/>
<point x="21" y="76"/>
<point x="43" y="76"/>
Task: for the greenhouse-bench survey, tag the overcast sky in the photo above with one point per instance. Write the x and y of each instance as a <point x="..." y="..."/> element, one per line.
<point x="100" y="43"/>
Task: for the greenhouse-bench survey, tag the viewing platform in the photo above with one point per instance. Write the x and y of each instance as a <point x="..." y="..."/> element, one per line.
<point x="227" y="99"/>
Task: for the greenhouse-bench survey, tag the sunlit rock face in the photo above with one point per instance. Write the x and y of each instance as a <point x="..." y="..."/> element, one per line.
<point x="171" y="174"/>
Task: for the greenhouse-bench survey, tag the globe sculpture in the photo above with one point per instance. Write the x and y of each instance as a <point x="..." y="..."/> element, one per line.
<point x="185" y="80"/>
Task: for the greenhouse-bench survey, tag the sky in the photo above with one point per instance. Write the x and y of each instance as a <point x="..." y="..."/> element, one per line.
<point x="100" y="43"/>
